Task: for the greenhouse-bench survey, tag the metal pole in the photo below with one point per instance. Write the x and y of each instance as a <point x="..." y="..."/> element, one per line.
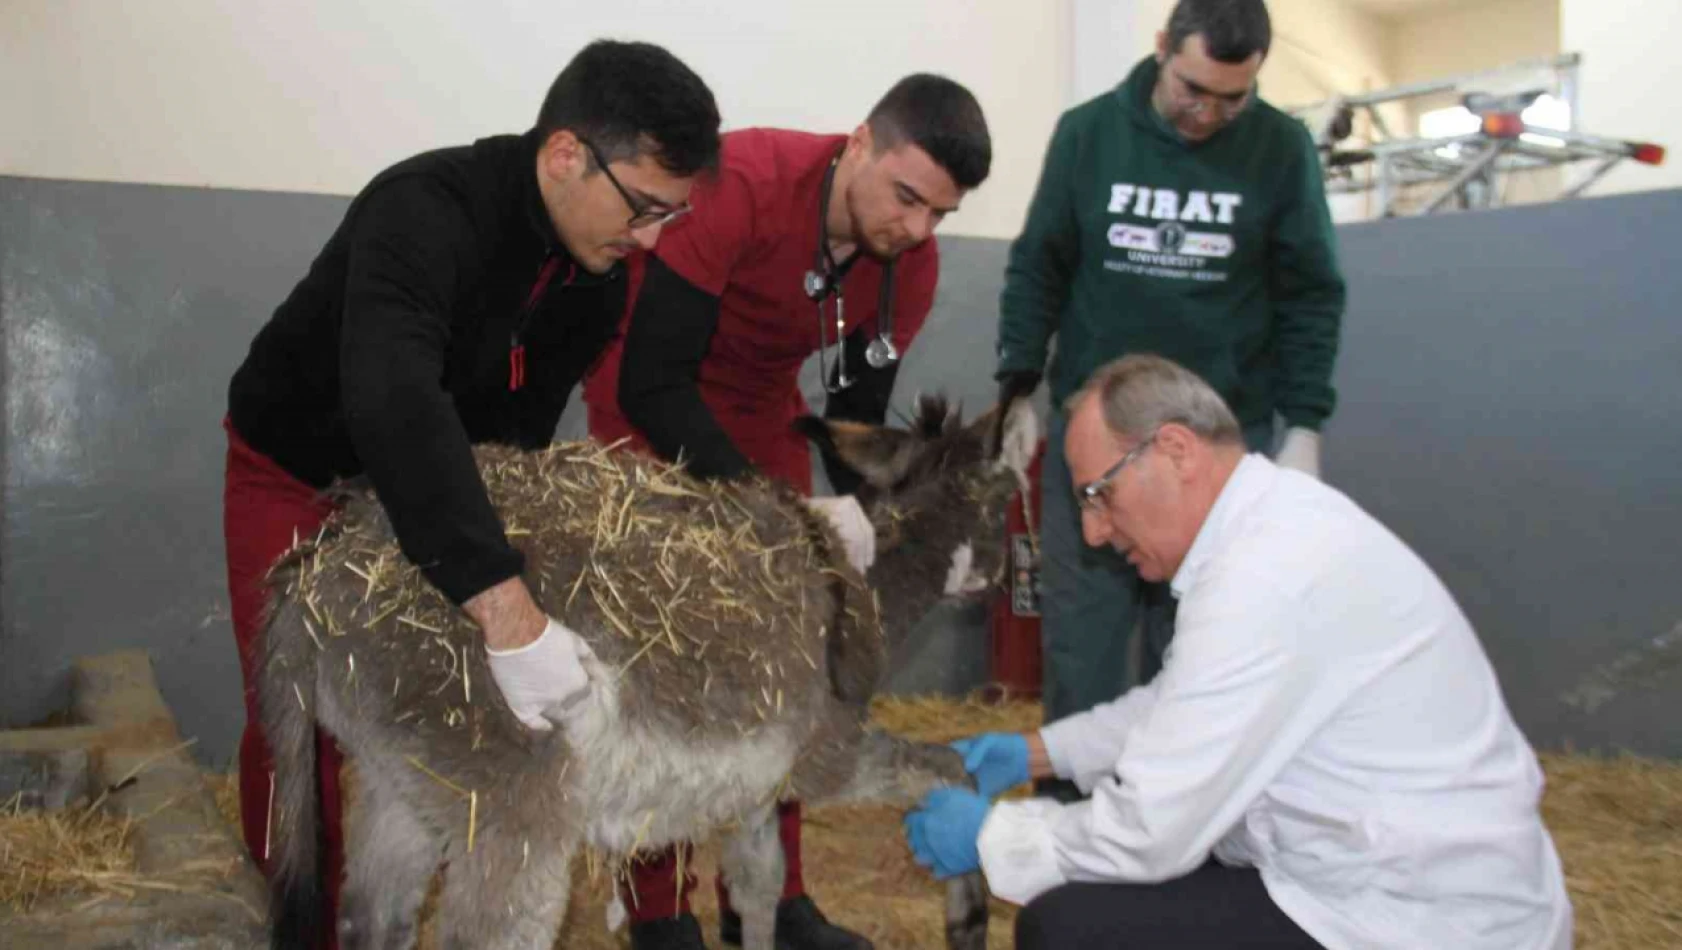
<point x="1385" y="195"/>
<point x="1467" y="174"/>
<point x="1594" y="176"/>
<point x="1598" y="142"/>
<point x="1566" y="61"/>
<point x="1425" y="146"/>
<point x="1378" y="123"/>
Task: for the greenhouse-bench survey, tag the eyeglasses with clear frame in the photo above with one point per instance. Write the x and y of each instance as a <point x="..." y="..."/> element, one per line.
<point x="643" y="215"/>
<point x="1198" y="100"/>
<point x="1091" y="496"/>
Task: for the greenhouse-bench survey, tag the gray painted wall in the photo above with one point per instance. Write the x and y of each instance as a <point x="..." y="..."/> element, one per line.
<point x="1511" y="405"/>
<point x="125" y="310"/>
<point x="1509" y="395"/>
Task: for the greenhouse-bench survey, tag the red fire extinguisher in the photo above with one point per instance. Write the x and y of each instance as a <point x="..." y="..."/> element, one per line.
<point x="1015" y="660"/>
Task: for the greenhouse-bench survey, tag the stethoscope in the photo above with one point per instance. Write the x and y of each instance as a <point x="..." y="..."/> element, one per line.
<point x="824" y="280"/>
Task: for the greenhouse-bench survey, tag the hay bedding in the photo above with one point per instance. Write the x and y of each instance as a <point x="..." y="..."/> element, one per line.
<point x="85" y="854"/>
<point x="1617" y="823"/>
<point x="75" y="851"/>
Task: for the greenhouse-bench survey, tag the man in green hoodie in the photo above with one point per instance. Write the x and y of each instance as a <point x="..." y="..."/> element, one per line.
<point x="1177" y="214"/>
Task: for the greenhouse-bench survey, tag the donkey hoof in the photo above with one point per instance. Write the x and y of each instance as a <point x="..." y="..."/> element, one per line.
<point x="966" y="913"/>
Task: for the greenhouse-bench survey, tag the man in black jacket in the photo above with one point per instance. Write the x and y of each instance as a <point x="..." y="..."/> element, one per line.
<point x="463" y="296"/>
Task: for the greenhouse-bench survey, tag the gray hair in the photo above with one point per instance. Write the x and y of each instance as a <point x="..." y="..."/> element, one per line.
<point x="1143" y="392"/>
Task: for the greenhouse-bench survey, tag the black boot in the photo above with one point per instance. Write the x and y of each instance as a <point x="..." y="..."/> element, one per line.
<point x="682" y="932"/>
<point x="800" y="926"/>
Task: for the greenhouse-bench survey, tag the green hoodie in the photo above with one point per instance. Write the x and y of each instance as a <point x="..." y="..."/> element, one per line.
<point x="1218" y="255"/>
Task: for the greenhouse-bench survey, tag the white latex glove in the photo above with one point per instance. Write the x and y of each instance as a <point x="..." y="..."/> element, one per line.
<point x="858" y="535"/>
<point x="543" y="681"/>
<point x="1301" y="451"/>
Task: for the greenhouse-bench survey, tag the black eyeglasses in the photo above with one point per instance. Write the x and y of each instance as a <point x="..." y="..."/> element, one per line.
<point x="1091" y="495"/>
<point x="643" y="214"/>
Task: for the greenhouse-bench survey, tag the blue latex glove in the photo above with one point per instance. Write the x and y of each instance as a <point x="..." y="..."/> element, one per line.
<point x="943" y="830"/>
<point x="998" y="760"/>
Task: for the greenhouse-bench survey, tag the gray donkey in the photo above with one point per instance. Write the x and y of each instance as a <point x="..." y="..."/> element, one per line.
<point x="734" y="656"/>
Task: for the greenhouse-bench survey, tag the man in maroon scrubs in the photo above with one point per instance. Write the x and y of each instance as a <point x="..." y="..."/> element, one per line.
<point x="802" y="243"/>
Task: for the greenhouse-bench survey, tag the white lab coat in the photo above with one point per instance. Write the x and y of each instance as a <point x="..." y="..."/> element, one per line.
<point x="1326" y="715"/>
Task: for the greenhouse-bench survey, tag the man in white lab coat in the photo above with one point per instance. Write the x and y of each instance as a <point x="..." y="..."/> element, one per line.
<point x="1326" y="725"/>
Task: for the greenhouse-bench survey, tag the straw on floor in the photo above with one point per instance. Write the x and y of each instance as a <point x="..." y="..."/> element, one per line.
<point x="77" y="857"/>
<point x="1616" y="820"/>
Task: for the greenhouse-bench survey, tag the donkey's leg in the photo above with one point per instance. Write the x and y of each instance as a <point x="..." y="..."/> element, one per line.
<point x="390" y="860"/>
<point x="895" y="771"/>
<point x="509" y="893"/>
<point x="892" y="771"/>
<point x="752" y="864"/>
<point x="966" y="912"/>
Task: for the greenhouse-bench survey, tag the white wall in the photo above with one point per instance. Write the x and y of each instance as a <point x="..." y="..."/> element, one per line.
<point x="1630" y="77"/>
<point x="1460" y="38"/>
<point x="318" y="95"/>
<point x="1109" y="37"/>
<point x="1322" y="48"/>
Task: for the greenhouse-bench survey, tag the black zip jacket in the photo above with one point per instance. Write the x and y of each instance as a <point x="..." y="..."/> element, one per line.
<point x="443" y="312"/>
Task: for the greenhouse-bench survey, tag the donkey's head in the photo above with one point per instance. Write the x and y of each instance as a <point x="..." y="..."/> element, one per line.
<point x="936" y="491"/>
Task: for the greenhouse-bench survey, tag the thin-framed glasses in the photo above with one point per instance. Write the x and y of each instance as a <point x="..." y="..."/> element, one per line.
<point x="1200" y="100"/>
<point x="1091" y="495"/>
<point x="643" y="214"/>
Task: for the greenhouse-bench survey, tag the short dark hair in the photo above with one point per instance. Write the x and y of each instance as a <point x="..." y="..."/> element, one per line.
<point x="940" y="117"/>
<point x="629" y="99"/>
<point x="1233" y="30"/>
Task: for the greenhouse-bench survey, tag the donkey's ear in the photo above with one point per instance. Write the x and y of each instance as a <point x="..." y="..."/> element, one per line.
<point x="880" y="455"/>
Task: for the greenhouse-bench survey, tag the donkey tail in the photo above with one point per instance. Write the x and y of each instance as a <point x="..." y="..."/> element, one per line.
<point x="294" y="845"/>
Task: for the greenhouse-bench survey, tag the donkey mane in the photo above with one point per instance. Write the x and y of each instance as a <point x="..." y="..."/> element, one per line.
<point x="935" y="416"/>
